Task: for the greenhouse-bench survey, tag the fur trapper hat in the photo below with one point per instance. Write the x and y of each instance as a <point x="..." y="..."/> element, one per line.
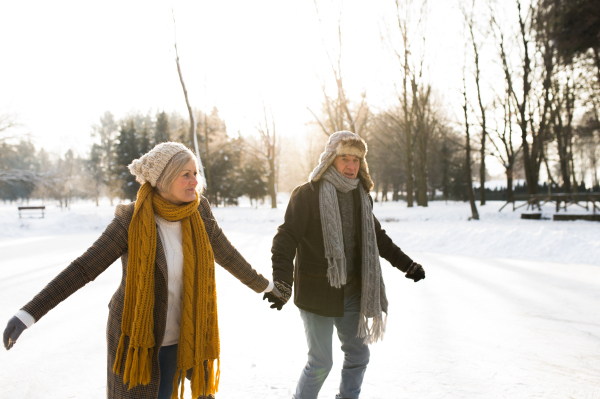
<point x="149" y="167"/>
<point x="344" y="143"/>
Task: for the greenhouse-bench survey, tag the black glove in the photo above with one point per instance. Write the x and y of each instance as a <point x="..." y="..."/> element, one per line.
<point x="280" y="294"/>
<point x="13" y="329"/>
<point x="415" y="272"/>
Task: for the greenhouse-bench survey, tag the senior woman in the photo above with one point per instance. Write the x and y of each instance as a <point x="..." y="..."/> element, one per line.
<point x="162" y="322"/>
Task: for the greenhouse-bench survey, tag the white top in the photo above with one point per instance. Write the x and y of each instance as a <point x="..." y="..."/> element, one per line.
<point x="172" y="240"/>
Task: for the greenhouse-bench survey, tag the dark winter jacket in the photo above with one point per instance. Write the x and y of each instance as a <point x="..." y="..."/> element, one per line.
<point x="111" y="245"/>
<point x="301" y="237"/>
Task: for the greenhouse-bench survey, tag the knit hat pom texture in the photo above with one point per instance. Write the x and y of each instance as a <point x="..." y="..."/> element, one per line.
<point x="150" y="166"/>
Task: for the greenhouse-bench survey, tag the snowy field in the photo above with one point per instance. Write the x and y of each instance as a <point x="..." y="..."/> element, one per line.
<point x="510" y="308"/>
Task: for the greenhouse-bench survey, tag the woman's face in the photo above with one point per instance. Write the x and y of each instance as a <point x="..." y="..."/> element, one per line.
<point x="184" y="187"/>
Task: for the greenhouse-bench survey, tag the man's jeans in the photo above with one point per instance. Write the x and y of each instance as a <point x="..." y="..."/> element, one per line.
<point x="319" y="333"/>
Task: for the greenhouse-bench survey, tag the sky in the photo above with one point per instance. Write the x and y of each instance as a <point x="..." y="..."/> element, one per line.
<point x="65" y="63"/>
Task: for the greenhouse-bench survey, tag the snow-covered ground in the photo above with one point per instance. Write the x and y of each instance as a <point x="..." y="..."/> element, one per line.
<point x="510" y="308"/>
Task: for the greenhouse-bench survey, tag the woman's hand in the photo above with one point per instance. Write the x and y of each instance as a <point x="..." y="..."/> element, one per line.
<point x="13" y="330"/>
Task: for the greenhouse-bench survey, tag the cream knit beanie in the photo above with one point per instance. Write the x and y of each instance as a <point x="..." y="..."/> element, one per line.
<point x="149" y="167"/>
<point x="344" y="143"/>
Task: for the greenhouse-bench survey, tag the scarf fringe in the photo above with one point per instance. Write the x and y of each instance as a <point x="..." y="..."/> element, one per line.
<point x="138" y="366"/>
<point x="375" y="332"/>
<point x="119" y="358"/>
<point x="198" y="382"/>
<point x="336" y="272"/>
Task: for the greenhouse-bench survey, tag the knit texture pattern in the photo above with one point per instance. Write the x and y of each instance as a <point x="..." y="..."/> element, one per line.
<point x="373" y="299"/>
<point x="284" y="289"/>
<point x="349" y="224"/>
<point x="199" y="345"/>
<point x="149" y="167"/>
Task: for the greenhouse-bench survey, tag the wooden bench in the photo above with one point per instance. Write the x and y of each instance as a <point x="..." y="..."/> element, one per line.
<point x="537" y="200"/>
<point x="31" y="208"/>
<point x="571" y="216"/>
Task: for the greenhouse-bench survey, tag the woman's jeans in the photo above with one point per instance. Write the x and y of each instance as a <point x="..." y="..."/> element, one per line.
<point x="319" y="333"/>
<point x="167" y="361"/>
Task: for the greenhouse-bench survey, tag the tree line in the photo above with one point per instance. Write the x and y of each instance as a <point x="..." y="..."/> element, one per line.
<point x="234" y="167"/>
<point x="539" y="60"/>
<point x="542" y="115"/>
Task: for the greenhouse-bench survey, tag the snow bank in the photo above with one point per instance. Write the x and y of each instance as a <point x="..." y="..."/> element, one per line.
<point x="479" y="326"/>
<point x="440" y="228"/>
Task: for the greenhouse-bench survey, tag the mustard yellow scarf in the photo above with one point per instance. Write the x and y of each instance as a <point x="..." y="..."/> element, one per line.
<point x="199" y="344"/>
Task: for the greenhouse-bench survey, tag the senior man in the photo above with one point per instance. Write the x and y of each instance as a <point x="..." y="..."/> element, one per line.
<point x="330" y="230"/>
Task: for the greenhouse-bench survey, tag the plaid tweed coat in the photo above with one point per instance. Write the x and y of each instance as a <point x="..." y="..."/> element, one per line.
<point x="111" y="245"/>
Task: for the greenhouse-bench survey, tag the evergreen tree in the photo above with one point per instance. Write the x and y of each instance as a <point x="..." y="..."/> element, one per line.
<point x="106" y="135"/>
<point x="127" y="149"/>
<point x="162" y="131"/>
<point x="96" y="170"/>
<point x="144" y="139"/>
<point x="18" y="164"/>
<point x="251" y="181"/>
<point x="225" y="178"/>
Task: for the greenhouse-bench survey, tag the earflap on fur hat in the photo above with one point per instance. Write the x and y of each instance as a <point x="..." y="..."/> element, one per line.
<point x="344" y="143"/>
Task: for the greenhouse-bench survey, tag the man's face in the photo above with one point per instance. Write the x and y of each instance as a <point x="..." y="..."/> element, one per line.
<point x="347" y="165"/>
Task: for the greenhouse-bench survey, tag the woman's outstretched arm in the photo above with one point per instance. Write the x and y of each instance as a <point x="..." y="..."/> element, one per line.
<point x="227" y="255"/>
<point x="104" y="252"/>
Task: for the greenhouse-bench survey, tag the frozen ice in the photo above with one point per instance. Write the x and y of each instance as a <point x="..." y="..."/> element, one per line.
<point x="510" y="308"/>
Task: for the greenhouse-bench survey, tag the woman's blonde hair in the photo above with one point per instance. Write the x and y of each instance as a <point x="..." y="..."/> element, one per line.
<point x="173" y="168"/>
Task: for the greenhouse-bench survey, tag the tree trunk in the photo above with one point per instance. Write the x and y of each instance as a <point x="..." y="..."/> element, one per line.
<point x="563" y="156"/>
<point x="271" y="183"/>
<point x="483" y="120"/>
<point x="482" y="171"/>
<point x="396" y="188"/>
<point x="408" y="132"/>
<point x="470" y="194"/>
<point x="522" y="109"/>
<point x="422" y="190"/>
<point x="409" y="179"/>
<point x="190" y="111"/>
<point x="384" y="192"/>
<point x="206" y="148"/>
<point x="469" y="176"/>
<point x="597" y="59"/>
<point x="510" y="196"/>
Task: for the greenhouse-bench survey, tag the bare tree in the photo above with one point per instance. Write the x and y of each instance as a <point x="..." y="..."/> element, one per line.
<point x="390" y="137"/>
<point x="269" y="151"/>
<point x="468" y="173"/>
<point x="412" y="123"/>
<point x="337" y="110"/>
<point x="534" y="129"/>
<point x="403" y="58"/>
<point x="425" y="128"/>
<point x="482" y="171"/>
<point x="8" y="121"/>
<point x="189" y="107"/>
<point x="562" y="122"/>
<point x="506" y="152"/>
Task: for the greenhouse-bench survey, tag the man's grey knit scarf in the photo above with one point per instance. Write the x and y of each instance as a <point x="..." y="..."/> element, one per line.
<point x="373" y="300"/>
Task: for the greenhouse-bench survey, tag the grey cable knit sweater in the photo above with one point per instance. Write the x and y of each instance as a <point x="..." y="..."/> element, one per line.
<point x="346" y="205"/>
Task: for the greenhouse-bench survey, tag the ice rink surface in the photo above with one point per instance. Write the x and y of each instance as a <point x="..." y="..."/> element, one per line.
<point x="509" y="309"/>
